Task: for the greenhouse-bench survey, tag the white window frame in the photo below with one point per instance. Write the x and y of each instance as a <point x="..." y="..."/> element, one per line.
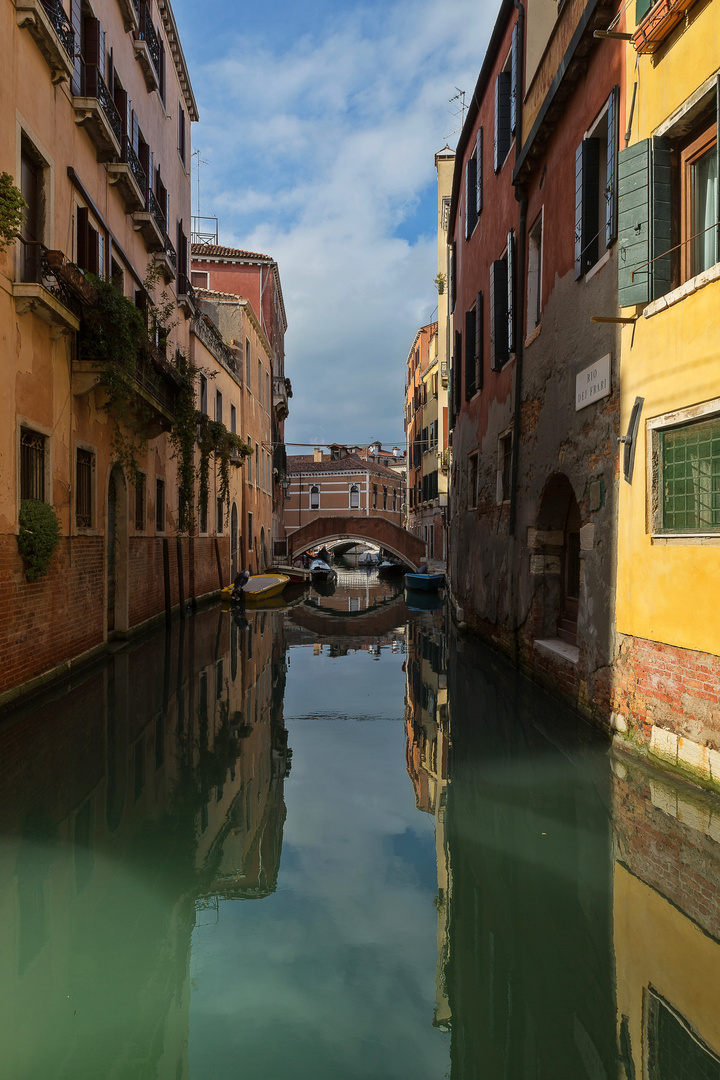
<point x="654" y="426"/>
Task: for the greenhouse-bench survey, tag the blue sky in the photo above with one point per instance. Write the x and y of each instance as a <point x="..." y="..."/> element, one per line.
<point x="318" y="123"/>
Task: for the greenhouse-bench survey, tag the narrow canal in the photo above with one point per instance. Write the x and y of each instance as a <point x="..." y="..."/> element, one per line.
<point x="337" y="841"/>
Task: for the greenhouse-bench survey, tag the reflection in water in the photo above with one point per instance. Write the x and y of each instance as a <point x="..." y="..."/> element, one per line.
<point x="518" y="910"/>
<point x="666" y="926"/>
<point x="150" y="790"/>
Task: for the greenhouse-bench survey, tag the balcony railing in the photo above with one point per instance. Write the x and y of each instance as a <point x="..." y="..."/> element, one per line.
<point x="130" y="158"/>
<point x="171" y="254"/>
<point x="47" y="280"/>
<point x="153" y="207"/>
<point x="61" y="25"/>
<point x="94" y="86"/>
<point x="146" y="33"/>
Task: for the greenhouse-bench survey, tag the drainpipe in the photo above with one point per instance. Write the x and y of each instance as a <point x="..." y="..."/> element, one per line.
<point x="521" y="196"/>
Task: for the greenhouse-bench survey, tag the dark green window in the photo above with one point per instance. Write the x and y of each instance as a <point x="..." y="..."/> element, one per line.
<point x="690" y="459"/>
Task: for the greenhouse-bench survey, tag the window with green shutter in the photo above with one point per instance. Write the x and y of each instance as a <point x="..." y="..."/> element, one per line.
<point x="690" y="486"/>
<point x="644" y="221"/>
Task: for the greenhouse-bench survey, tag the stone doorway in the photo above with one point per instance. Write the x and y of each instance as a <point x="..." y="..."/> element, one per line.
<point x="558" y="538"/>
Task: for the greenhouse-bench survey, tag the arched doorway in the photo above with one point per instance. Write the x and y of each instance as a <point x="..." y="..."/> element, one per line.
<point x="559" y="535"/>
<point x="117" y="546"/>
<point x="233" y="541"/>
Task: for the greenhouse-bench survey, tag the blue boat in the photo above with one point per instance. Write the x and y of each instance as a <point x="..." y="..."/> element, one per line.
<point x="424" y="582"/>
<point x="422" y="601"/>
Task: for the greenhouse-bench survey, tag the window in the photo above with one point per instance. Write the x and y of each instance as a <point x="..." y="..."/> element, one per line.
<point x="259" y="382"/>
<point x="250" y="532"/>
<point x="218" y="406"/>
<point x="249" y="463"/>
<point x="220" y="516"/>
<point x="257" y="465"/>
<point x="699" y="201"/>
<point x="384" y="498"/>
<point x="472" y="481"/>
<point x="394" y="500"/>
<point x="474" y="347"/>
<point x="181" y="133"/>
<point x="596" y="186"/>
<point x="504" y="474"/>
<point x="534" y="281"/>
<point x="90" y="244"/>
<point x="374" y="496"/>
<point x="354" y="497"/>
<point x="200" y="279"/>
<point x="267" y="391"/>
<point x="203" y="518"/>
<point x="502" y="305"/>
<point x="203" y="397"/>
<point x="506" y="105"/>
<point x="84" y="469"/>
<point x="140" y="488"/>
<point x="33" y="463"/>
<point x="160" y="506"/>
<point x="33" y="226"/>
<point x="687" y="465"/>
<point x="247" y="364"/>
<point x="314" y="497"/>
<point x="233" y="420"/>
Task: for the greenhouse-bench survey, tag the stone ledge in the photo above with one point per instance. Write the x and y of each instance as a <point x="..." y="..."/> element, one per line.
<point x="558" y="649"/>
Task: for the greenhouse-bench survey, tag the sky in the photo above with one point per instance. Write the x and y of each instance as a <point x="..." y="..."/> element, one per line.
<point x="319" y="122"/>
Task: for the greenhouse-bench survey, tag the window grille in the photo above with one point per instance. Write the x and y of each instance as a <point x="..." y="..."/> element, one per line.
<point x="32" y="465"/>
<point x="83" y="489"/>
<point x="691" y="477"/>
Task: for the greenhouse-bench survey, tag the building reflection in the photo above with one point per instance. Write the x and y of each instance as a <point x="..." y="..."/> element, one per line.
<point x="150" y="790"/>
<point x="666" y="926"/>
<point x="427" y="735"/>
<point x="529" y="974"/>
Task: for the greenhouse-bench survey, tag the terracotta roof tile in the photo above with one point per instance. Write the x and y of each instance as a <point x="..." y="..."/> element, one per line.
<point x="220" y="252"/>
<point x="305" y="463"/>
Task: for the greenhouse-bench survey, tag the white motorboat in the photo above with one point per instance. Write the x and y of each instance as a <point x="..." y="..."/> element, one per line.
<point x="322" y="571"/>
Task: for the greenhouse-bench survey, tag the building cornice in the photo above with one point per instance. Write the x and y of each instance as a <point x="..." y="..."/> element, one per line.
<point x="171" y="32"/>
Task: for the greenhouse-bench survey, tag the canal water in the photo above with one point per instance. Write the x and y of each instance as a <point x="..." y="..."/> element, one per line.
<point x="334" y="840"/>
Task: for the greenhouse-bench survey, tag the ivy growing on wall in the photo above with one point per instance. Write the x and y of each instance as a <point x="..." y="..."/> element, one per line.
<point x="38" y="537"/>
<point x="12" y="210"/>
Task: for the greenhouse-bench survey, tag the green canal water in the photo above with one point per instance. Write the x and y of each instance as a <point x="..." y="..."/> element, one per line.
<point x="338" y="841"/>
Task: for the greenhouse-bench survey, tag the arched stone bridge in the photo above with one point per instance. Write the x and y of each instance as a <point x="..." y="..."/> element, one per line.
<point x="408" y="548"/>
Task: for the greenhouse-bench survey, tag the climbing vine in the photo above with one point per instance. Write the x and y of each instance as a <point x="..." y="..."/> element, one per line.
<point x="12" y="210"/>
<point x="228" y="448"/>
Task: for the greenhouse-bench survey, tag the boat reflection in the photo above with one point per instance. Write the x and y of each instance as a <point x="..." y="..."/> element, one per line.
<point x="150" y="791"/>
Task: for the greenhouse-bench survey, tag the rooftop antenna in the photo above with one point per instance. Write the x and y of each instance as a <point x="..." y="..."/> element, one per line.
<point x="200" y="161"/>
<point x="458" y="111"/>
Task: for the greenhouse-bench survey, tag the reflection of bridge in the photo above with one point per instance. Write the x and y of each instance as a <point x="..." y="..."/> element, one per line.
<point x="369" y="624"/>
<point x="377" y="530"/>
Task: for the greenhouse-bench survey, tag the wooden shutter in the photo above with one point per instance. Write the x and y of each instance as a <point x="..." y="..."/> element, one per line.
<point x="161" y="73"/>
<point x="469" y="354"/>
<point x="479" y="171"/>
<point x="77" y="25"/>
<point x="587" y="194"/>
<point x="121" y="104"/>
<point x="181" y="133"/>
<point x="135" y="138"/>
<point x="498" y="314"/>
<point x="110" y="76"/>
<point x="644" y="221"/>
<point x="92" y="260"/>
<point x="479" y="341"/>
<point x="514" y="71"/>
<point x="470" y="197"/>
<point x="457" y="372"/>
<point x="611" y="170"/>
<point x="82" y="244"/>
<point x="717" y="169"/>
<point x="641" y="9"/>
<point x="502" y="119"/>
<point x="453" y="275"/>
<point x="511" y="291"/>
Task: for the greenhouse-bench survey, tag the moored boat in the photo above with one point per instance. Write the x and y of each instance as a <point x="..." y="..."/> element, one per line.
<point x="424" y="582"/>
<point x="390" y="568"/>
<point x="259" y="587"/>
<point x="322" y="571"/>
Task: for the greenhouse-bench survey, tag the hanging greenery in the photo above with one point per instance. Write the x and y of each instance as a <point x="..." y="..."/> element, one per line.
<point x="38" y="538"/>
<point x="12" y="210"/>
<point x="228" y="448"/>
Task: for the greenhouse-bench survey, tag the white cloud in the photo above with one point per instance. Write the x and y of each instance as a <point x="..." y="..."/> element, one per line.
<point x="320" y="156"/>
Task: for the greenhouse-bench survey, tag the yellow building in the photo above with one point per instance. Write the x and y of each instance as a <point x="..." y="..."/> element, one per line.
<point x="668" y="582"/>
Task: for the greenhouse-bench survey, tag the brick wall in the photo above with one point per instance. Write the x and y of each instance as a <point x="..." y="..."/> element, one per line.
<point x="674" y="688"/>
<point x="49" y="621"/>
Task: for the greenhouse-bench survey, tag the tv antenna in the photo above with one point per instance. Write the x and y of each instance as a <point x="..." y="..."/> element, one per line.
<point x="200" y="161"/>
<point x="458" y="111"/>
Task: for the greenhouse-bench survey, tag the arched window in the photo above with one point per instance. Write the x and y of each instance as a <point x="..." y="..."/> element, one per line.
<point x="394" y="498"/>
<point x="354" y="497"/>
<point x="384" y="498"/>
<point x="314" y="497"/>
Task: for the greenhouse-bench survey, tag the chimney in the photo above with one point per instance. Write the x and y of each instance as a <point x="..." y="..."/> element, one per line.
<point x="317" y="456"/>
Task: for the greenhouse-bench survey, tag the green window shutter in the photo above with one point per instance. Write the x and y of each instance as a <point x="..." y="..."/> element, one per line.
<point x="587" y="195"/>
<point x="469" y="354"/>
<point x="479" y="341"/>
<point x="514" y="71"/>
<point x="717" y="169"/>
<point x="643" y="221"/>
<point x="470" y="197"/>
<point x="502" y="119"/>
<point x="641" y="9"/>
<point x="453" y="275"/>
<point x="611" y="171"/>
<point x="498" y="314"/>
<point x="479" y="171"/>
<point x="457" y="372"/>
